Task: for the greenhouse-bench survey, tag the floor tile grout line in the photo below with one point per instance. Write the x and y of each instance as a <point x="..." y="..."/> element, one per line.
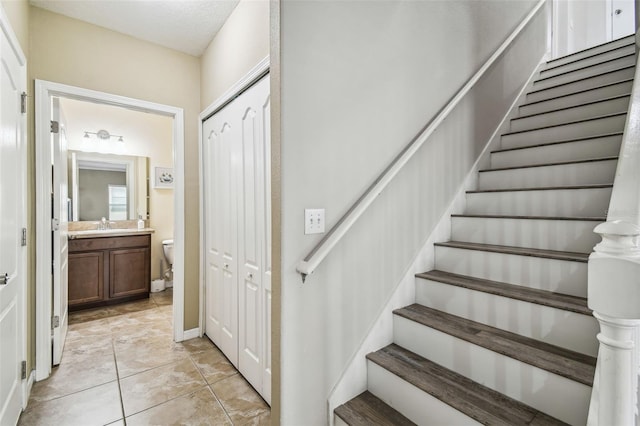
<point x="221" y="404"/>
<point x="115" y="361"/>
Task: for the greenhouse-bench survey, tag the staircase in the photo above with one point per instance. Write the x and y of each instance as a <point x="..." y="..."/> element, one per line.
<point x="500" y="333"/>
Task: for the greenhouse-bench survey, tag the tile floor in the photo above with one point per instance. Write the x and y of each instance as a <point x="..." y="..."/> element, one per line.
<point x="121" y="367"/>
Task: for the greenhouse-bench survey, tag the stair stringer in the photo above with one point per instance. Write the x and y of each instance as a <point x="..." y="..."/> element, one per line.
<point x="353" y="379"/>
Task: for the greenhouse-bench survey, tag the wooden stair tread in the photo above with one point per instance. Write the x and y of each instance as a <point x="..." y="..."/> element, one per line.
<point x="471" y="398"/>
<point x="631" y="42"/>
<point x="626" y="80"/>
<point x="540" y="297"/>
<point x="544" y="188"/>
<point x="520" y="117"/>
<point x="520" y="251"/>
<point x="572" y="365"/>
<point x="559" y="163"/>
<point x="582" y="120"/>
<point x="541" y="145"/>
<point x="367" y="409"/>
<point x="580" y="79"/>
<point x="586" y="67"/>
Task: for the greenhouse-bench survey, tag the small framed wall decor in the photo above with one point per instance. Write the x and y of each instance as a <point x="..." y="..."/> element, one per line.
<point x="163" y="178"/>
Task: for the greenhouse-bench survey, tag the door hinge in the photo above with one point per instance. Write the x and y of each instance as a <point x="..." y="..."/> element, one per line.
<point x="55" y="322"/>
<point x="23" y="240"/>
<point x="23" y="369"/>
<point x="55" y="224"/>
<point x="23" y="103"/>
<point x="53" y="267"/>
<point x="55" y="126"/>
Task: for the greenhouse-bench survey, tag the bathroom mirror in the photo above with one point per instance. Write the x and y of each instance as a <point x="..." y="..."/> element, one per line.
<point x="104" y="185"/>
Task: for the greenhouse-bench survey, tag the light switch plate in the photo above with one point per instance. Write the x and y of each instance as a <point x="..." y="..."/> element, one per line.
<point x="313" y="221"/>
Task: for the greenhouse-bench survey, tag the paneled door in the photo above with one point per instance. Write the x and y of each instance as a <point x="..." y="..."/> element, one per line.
<point x="60" y="221"/>
<point x="237" y="221"/>
<point x="220" y="140"/>
<point x="12" y="221"/>
<point x="254" y="226"/>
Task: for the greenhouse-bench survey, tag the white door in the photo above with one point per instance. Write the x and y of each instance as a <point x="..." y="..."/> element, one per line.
<point x="220" y="139"/>
<point x="623" y="19"/>
<point x="12" y="221"/>
<point x="253" y="226"/>
<point x="237" y="221"/>
<point x="59" y="232"/>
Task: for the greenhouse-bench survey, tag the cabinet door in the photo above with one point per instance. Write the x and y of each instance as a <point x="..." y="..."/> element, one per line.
<point x="129" y="272"/>
<point x="86" y="277"/>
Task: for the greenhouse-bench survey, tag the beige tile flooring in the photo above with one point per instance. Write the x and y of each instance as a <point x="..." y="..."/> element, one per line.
<point x="121" y="367"/>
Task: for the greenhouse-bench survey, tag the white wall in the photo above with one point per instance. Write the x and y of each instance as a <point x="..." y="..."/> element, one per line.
<point x="359" y="80"/>
<point x="580" y="24"/>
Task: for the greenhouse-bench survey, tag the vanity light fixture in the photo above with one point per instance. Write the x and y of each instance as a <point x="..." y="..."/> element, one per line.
<point x="103" y="135"/>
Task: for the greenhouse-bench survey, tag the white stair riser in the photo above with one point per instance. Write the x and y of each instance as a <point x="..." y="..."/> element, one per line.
<point x="560" y="276"/>
<point x="535" y="387"/>
<point x="556" y="69"/>
<point x="337" y="421"/>
<point x="582" y="129"/>
<point x="577" y="86"/>
<point x="593" y="172"/>
<point x="579" y="98"/>
<point x="562" y="235"/>
<point x="596" y="50"/>
<point x="571" y="114"/>
<point x="607" y="146"/>
<point x="570" y="330"/>
<point x="415" y="404"/>
<point x="591" y="202"/>
<point x="584" y="73"/>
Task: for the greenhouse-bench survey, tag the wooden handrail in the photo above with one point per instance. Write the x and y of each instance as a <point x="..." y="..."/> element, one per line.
<point x="309" y="264"/>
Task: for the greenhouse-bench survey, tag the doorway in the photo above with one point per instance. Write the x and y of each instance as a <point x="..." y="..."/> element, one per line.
<point x="45" y="290"/>
<point x="579" y="25"/>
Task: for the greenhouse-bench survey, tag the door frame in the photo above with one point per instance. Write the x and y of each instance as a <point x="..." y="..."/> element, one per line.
<point x="43" y="91"/>
<point x="254" y="74"/>
<point x="7" y="29"/>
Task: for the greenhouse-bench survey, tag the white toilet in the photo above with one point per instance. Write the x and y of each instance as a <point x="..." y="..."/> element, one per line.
<point x="167" y="248"/>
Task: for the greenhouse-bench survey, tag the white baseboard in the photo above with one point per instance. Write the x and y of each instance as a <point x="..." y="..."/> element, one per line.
<point x="191" y="334"/>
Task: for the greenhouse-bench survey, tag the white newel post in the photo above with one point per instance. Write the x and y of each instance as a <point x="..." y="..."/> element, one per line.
<point x="614" y="297"/>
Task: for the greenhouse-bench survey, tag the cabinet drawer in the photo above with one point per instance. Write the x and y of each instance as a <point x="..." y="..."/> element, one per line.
<point x="108" y="243"/>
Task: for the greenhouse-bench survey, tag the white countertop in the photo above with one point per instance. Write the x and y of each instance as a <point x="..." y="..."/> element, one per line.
<point x="94" y="233"/>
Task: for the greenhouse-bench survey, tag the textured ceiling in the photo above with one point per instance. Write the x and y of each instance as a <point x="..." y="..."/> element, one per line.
<point x="184" y="25"/>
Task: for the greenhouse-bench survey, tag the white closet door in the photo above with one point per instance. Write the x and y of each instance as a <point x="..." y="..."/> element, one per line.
<point x="220" y="139"/>
<point x="252" y="231"/>
<point x="237" y="205"/>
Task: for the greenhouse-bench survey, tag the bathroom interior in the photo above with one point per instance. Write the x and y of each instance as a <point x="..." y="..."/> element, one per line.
<point x="120" y="191"/>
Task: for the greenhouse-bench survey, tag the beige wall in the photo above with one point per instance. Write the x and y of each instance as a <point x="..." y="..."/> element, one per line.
<point x="68" y="51"/>
<point x="18" y="13"/>
<point x="240" y="44"/>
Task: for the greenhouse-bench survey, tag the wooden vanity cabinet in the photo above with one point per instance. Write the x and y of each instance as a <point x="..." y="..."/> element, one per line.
<point x="108" y="270"/>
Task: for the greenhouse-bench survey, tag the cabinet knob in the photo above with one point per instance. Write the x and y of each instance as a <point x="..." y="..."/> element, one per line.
<point x="618" y="11"/>
<point x="226" y="266"/>
<point x="250" y="275"/>
<point x="4" y="279"/>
